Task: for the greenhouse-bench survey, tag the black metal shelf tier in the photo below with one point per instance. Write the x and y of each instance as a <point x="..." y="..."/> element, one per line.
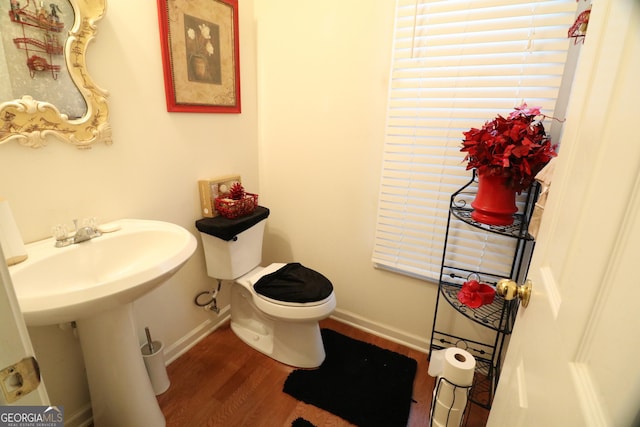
<point x="460" y="207"/>
<point x="499" y="315"/>
<point x="460" y="210"/>
<point x="484" y="378"/>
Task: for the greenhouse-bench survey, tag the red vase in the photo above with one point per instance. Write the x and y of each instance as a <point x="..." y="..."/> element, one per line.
<point x="495" y="203"/>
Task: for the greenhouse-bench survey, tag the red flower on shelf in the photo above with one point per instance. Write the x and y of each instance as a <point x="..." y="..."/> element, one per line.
<point x="474" y="294"/>
<point x="516" y="148"/>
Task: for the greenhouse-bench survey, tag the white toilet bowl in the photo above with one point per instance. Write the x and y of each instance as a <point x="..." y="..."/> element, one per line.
<point x="287" y="332"/>
<point x="280" y="318"/>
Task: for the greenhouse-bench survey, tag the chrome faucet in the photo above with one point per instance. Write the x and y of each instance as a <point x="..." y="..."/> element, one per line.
<point x="81" y="234"/>
<point x="85" y="233"/>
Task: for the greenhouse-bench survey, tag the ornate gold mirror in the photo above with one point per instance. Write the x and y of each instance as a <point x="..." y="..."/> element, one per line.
<point x="45" y="88"/>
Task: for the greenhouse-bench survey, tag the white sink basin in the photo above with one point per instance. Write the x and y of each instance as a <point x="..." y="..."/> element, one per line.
<point x="58" y="285"/>
<point x="94" y="283"/>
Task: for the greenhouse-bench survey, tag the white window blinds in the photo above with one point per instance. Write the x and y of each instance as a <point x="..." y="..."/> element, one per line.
<point x="456" y="64"/>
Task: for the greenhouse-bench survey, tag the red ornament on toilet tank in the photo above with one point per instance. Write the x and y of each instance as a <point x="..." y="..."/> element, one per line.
<point x="236" y="203"/>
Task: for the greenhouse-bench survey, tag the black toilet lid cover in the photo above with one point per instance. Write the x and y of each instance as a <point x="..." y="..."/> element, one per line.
<point x="294" y="283"/>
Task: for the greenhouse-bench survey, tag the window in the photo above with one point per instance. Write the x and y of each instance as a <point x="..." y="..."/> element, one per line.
<point x="456" y="64"/>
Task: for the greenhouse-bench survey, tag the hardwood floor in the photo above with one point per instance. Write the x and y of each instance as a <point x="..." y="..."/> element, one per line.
<point x="223" y="382"/>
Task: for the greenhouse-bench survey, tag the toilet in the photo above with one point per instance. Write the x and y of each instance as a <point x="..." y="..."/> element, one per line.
<point x="274" y="309"/>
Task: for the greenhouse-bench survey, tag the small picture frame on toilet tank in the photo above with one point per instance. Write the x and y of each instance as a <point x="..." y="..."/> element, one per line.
<point x="211" y="188"/>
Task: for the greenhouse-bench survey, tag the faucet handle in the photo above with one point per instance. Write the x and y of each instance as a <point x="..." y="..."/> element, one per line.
<point x="91" y="222"/>
<point x="60" y="231"/>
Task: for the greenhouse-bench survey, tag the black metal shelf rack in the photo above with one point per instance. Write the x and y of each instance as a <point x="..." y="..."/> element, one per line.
<point x="498" y="316"/>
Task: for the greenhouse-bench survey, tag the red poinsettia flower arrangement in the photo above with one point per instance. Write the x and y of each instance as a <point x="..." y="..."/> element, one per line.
<point x="516" y="147"/>
<point x="474" y="294"/>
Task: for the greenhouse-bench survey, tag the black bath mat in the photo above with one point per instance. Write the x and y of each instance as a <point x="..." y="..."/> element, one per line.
<point x="301" y="422"/>
<point x="360" y="382"/>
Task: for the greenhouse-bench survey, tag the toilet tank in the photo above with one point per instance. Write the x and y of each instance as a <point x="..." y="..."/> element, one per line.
<point x="233" y="247"/>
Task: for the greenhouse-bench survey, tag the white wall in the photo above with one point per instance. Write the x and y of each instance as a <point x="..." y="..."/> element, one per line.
<point x="323" y="78"/>
<point x="150" y="171"/>
<point x="309" y="140"/>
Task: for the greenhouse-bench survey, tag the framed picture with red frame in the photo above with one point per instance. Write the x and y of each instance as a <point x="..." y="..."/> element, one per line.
<point x="200" y="55"/>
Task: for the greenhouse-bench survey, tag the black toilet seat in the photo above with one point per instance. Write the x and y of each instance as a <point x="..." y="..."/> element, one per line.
<point x="294" y="284"/>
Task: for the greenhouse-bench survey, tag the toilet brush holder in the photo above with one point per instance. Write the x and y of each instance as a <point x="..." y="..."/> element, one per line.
<point x="153" y="357"/>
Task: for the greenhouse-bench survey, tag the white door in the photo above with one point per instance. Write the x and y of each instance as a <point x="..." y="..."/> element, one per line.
<point x="14" y="339"/>
<point x="574" y="357"/>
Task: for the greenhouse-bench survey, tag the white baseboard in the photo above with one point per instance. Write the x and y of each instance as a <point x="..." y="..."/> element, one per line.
<point x="194" y="336"/>
<point x="190" y="339"/>
<point x="412" y="341"/>
<point x="81" y="418"/>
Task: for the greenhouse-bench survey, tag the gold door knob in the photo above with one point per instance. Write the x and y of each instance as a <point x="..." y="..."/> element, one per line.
<point x="508" y="289"/>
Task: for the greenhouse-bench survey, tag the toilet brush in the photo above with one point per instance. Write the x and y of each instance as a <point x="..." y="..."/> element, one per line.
<point x="149" y="341"/>
<point x="153" y="357"/>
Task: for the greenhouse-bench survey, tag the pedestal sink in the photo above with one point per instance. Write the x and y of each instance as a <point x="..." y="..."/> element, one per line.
<point x="94" y="283"/>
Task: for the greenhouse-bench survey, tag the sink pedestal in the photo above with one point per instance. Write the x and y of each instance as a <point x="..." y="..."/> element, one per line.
<point x="121" y="392"/>
<point x="94" y="284"/>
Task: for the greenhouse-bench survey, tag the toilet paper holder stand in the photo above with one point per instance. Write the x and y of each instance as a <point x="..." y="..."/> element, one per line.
<point x="436" y="390"/>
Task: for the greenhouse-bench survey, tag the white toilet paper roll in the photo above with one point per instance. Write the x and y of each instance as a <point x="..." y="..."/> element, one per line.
<point x="450" y="395"/>
<point x="436" y="363"/>
<point x="444" y="416"/>
<point x="459" y="366"/>
<point x="10" y="238"/>
<point x="454" y="368"/>
<point x="455" y="364"/>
